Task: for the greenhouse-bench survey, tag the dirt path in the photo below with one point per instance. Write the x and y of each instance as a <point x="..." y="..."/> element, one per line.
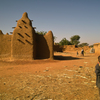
<point x="68" y="77"/>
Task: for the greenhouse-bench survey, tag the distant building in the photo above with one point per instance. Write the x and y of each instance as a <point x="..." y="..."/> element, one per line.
<point x="97" y="48"/>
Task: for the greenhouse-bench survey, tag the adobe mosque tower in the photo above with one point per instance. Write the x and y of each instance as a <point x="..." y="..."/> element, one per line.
<point x="23" y="39"/>
<point x="27" y="44"/>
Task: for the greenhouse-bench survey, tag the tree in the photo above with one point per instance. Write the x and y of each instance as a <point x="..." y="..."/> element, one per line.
<point x="44" y="32"/>
<point x="64" y="41"/>
<point x="83" y="44"/>
<point x="75" y="39"/>
<point x="41" y="32"/>
<point x="91" y="46"/>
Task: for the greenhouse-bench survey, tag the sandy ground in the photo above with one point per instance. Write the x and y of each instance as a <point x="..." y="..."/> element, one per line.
<point x="67" y="77"/>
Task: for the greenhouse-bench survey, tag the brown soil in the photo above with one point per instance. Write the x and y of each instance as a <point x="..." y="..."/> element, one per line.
<point x="68" y="77"/>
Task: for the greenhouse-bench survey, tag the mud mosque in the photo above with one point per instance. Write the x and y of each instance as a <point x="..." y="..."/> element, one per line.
<point x="25" y="43"/>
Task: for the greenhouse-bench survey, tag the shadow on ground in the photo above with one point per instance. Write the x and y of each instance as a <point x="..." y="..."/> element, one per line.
<point x="36" y="61"/>
<point x="65" y="58"/>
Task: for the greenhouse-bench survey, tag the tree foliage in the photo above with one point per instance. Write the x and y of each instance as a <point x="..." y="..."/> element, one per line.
<point x="83" y="44"/>
<point x="64" y="41"/>
<point x="75" y="39"/>
<point x="91" y="46"/>
<point x="44" y="32"/>
<point x="41" y="32"/>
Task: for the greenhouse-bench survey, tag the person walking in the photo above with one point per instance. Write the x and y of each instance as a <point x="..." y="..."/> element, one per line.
<point x="82" y="52"/>
<point x="77" y="53"/>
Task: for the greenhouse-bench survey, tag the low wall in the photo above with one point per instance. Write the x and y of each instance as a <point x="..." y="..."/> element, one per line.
<point x="58" y="48"/>
<point x="5" y="45"/>
<point x="66" y="48"/>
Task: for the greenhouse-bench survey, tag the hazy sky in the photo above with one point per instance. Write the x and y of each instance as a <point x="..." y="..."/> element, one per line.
<point x="64" y="18"/>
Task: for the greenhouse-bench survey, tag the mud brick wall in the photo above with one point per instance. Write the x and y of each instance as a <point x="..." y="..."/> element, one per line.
<point x="44" y="45"/>
<point x="5" y="45"/>
<point x="97" y="48"/>
<point x="86" y="47"/>
<point x="23" y="39"/>
<point x="58" y="48"/>
<point x="63" y="48"/>
<point x="68" y="47"/>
